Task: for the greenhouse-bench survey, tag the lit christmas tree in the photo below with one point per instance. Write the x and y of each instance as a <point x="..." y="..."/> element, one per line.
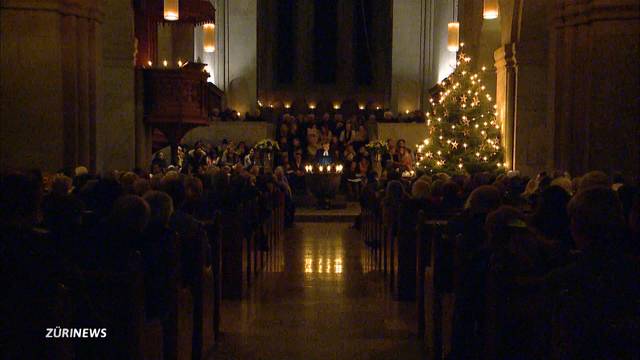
<point x="463" y="133"/>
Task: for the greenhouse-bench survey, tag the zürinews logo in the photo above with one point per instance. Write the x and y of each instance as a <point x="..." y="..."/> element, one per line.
<point x="81" y="333"/>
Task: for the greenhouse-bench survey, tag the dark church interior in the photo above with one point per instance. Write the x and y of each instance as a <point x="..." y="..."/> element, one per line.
<point x="319" y="179"/>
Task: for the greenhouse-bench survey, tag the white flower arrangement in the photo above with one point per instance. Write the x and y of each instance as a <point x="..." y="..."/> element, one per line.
<point x="378" y="146"/>
<point x="267" y="145"/>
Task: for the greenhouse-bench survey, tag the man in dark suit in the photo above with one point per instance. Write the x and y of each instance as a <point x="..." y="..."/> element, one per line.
<point x="296" y="172"/>
<point x="323" y="155"/>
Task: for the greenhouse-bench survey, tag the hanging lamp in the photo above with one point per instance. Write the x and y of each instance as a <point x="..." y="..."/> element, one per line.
<point x="171" y="10"/>
<point x="453" y="32"/>
<point x="209" y="37"/>
<point x="490" y="10"/>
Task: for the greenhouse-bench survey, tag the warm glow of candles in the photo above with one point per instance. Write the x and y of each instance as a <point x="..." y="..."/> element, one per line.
<point x="361" y="107"/>
<point x="209" y="37"/>
<point x="336" y="106"/>
<point x="171" y="10"/>
<point x="180" y="63"/>
<point x="149" y="63"/>
<point x="453" y="39"/>
<point x="287" y="105"/>
<point x="320" y="168"/>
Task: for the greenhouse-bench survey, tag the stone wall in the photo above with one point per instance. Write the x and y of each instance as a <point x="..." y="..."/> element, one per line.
<point x="250" y="132"/>
<point x="49" y="83"/>
<point x="412" y="133"/>
<point x="115" y="129"/>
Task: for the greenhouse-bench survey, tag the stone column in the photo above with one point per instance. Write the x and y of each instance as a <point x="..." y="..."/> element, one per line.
<point x="304" y="46"/>
<point x="344" y="69"/>
<point x="241" y="54"/>
<point x="49" y="82"/>
<point x="116" y="127"/>
<point x="505" y="99"/>
<point x="596" y="70"/>
<point x="410" y="55"/>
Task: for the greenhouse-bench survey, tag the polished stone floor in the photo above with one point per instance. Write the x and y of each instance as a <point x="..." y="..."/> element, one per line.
<point x="323" y="301"/>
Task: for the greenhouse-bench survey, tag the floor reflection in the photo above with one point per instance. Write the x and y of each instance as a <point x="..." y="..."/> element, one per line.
<point x="325" y="303"/>
<point x="322" y="265"/>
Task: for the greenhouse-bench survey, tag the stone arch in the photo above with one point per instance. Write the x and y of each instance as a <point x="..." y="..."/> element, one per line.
<point x="516" y="45"/>
<point x="523" y="83"/>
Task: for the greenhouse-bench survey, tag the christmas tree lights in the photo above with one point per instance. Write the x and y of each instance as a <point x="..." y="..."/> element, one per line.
<point x="463" y="132"/>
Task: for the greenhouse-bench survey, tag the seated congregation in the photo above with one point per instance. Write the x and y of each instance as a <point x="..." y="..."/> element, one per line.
<point x="145" y="259"/>
<point x="505" y="267"/>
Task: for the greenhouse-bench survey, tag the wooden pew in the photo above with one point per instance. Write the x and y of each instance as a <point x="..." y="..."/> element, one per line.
<point x="233" y="251"/>
<point x="434" y="285"/>
<point x="203" y="298"/>
<point x="243" y="258"/>
<point x="214" y="235"/>
<point x="116" y="301"/>
<point x="178" y="328"/>
<point x="404" y="252"/>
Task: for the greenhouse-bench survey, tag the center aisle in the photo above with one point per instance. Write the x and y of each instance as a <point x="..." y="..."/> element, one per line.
<point x="324" y="303"/>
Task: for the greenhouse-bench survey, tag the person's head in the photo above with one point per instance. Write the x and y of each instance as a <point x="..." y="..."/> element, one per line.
<point x="298" y="155"/>
<point x="401" y="144"/>
<point x="594" y="179"/>
<point x="596" y="217"/>
<point x="501" y="224"/>
<point x="326" y="145"/>
<point x="81" y="170"/>
<point x="483" y="200"/>
<point x="61" y="185"/>
<point x="174" y="187"/>
<point x="420" y="190"/>
<point x="130" y="214"/>
<point x="156" y="169"/>
<point x="348" y="126"/>
<point x="279" y="173"/>
<point x="450" y="191"/>
<point x="550" y="216"/>
<point x="161" y="207"/>
<point x="395" y="191"/>
<point x="326" y="117"/>
<point x="141" y="186"/>
<point x="193" y="188"/>
<point x="564" y="183"/>
<point x="531" y="188"/>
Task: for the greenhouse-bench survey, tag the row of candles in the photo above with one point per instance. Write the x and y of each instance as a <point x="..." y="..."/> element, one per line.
<point x="312" y="106"/>
<point x="165" y="63"/>
<point x="321" y="169"/>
